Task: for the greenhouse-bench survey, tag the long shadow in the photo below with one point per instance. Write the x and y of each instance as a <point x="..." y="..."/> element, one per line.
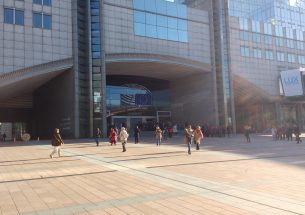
<point x="226" y="161"/>
<point x="58" y="176"/>
<point x="161" y="153"/>
<point x="147" y="158"/>
<point x="31" y="163"/>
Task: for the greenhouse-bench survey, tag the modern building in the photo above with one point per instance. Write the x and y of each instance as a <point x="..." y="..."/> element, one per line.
<point x="83" y="64"/>
<point x="265" y="38"/>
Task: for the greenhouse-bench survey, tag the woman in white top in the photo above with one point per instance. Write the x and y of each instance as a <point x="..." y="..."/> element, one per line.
<point x="123" y="137"/>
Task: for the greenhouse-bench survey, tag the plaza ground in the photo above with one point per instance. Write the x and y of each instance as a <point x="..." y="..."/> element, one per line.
<point x="227" y="176"/>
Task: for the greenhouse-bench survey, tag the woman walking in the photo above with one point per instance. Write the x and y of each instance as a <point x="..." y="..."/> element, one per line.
<point x="123" y="137"/>
<point x="56" y="143"/>
<point x="113" y="136"/>
<point x="158" y="134"/>
<point x="198" y="136"/>
<point x="189" y="136"/>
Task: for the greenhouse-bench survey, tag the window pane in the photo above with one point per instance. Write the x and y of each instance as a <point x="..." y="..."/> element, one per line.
<point x="47" y="21"/>
<point x="151" y="19"/>
<point x="19" y="17"/>
<point x="151" y="31"/>
<point x="182" y="10"/>
<point x="182" y="36"/>
<point x="138" y="4"/>
<point x="96" y="48"/>
<point x="162" y="33"/>
<point x="37" y="1"/>
<point x="171" y="9"/>
<point x="96" y="40"/>
<point x="37" y="20"/>
<point x="172" y="23"/>
<point x="162" y="21"/>
<point x="150" y="5"/>
<point x="96" y="54"/>
<point x="9" y="16"/>
<point x="139" y="17"/>
<point x="161" y="6"/>
<point x="139" y="29"/>
<point x="47" y="2"/>
<point x="173" y="34"/>
<point x="182" y="24"/>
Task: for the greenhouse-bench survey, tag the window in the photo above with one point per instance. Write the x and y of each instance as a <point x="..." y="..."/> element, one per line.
<point x="279" y="41"/>
<point x="243" y="24"/>
<point x="13" y="16"/>
<point x="280" y="56"/>
<point x="291" y="58"/>
<point x="289" y="33"/>
<point x="290" y="43"/>
<point x="150" y="22"/>
<point x="257" y="53"/>
<point x="269" y="54"/>
<point x="267" y="28"/>
<point x="301" y="59"/>
<point x="256" y="26"/>
<point x="43" y="2"/>
<point x="279" y="31"/>
<point x="244" y="35"/>
<point x="256" y="38"/>
<point x="41" y="20"/>
<point x="244" y="51"/>
<point x="268" y="39"/>
<point x="300" y="45"/>
<point x="299" y="35"/>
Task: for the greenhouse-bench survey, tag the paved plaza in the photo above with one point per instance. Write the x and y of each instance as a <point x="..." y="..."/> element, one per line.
<point x="227" y="176"/>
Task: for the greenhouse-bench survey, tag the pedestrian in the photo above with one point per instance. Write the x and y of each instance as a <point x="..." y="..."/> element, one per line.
<point x="113" y="136"/>
<point x="136" y="134"/>
<point x="175" y="129"/>
<point x="158" y="135"/>
<point x="123" y="137"/>
<point x="56" y="143"/>
<point x="247" y="133"/>
<point x="3" y="137"/>
<point x="97" y="136"/>
<point x="273" y="132"/>
<point x="198" y="136"/>
<point x="297" y="134"/>
<point x="189" y="136"/>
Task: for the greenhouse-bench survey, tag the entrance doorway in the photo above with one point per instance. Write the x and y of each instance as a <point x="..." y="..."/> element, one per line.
<point x="145" y="122"/>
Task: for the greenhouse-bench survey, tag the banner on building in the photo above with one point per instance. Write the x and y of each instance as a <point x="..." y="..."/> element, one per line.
<point x="292" y="82"/>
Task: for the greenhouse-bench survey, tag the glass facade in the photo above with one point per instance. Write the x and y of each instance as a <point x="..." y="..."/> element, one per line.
<point x="127" y="99"/>
<point x="160" y="19"/>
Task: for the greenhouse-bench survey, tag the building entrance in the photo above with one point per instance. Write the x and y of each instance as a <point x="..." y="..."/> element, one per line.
<point x="146" y="123"/>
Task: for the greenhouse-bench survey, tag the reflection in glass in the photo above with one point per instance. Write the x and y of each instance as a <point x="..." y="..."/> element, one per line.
<point x="162" y="33"/>
<point x="150" y="5"/>
<point x="139" y="4"/>
<point x="139" y="17"/>
<point x="47" y="21"/>
<point x="172" y="23"/>
<point x="139" y="29"/>
<point x="162" y="21"/>
<point x="173" y="34"/>
<point x="151" y="31"/>
<point x="151" y="19"/>
<point x="37" y="20"/>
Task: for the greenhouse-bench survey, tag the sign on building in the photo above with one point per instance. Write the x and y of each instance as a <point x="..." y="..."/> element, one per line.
<point x="292" y="82"/>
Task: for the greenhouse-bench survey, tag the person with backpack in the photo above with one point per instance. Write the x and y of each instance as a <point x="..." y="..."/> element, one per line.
<point x="123" y="137"/>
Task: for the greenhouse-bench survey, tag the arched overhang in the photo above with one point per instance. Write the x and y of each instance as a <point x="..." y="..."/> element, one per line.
<point x="25" y="81"/>
<point x="247" y="93"/>
<point x="154" y="66"/>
